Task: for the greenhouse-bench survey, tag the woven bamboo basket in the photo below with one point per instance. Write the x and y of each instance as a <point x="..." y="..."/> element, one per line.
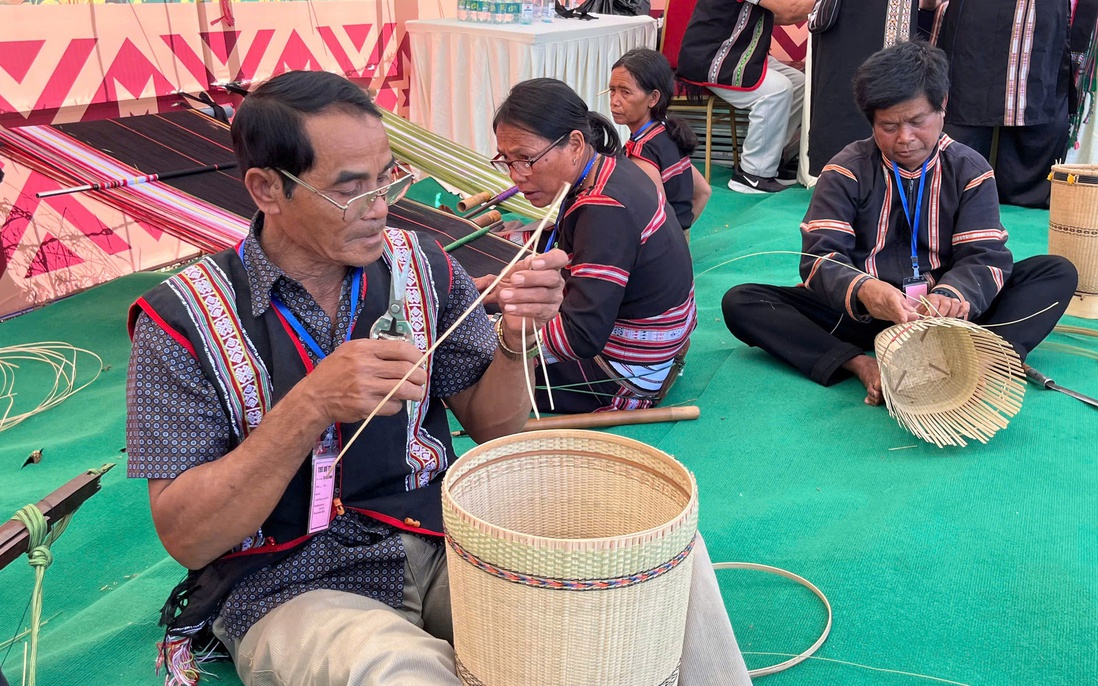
<point x="1073" y="229"/>
<point x="946" y="380"/>
<point x="569" y="554"/>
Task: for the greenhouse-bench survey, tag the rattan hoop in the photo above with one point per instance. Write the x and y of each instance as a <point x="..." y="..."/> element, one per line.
<point x="570" y="555"/>
<point x="946" y="380"/>
<point x="1073" y="220"/>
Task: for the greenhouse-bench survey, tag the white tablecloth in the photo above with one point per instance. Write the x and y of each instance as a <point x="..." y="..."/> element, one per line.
<point x="461" y="71"/>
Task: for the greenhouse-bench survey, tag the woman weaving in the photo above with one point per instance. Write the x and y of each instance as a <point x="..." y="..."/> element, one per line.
<point x="628" y="308"/>
<point x="641" y="85"/>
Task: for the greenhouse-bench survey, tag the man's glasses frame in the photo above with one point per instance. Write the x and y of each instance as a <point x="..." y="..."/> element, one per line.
<point x="524" y="167"/>
<point x="390" y="192"/>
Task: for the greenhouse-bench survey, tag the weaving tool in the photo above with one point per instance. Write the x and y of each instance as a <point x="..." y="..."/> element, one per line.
<point x="392" y="326"/>
<point x="1045" y="382"/>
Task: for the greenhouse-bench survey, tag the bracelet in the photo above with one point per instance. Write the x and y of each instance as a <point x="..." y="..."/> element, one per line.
<point x="510" y="354"/>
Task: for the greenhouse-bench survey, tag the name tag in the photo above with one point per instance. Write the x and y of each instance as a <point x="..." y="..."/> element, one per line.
<point x="324" y="456"/>
<point x="916" y="288"/>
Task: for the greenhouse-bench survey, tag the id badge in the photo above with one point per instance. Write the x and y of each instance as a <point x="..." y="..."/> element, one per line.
<point x="324" y="456"/>
<point x="916" y="288"/>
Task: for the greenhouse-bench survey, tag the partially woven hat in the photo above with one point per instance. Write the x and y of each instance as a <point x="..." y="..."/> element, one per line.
<point x="570" y="555"/>
<point x="946" y="379"/>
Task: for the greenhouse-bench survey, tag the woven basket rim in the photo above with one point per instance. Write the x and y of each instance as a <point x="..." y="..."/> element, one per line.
<point x="455" y="474"/>
<point x="1085" y="174"/>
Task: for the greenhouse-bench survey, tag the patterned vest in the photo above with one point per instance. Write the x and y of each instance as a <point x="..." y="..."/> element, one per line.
<point x="393" y="471"/>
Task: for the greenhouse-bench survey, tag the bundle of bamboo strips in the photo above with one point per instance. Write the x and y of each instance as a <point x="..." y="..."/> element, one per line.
<point x="452" y="163"/>
<point x="947" y="379"/>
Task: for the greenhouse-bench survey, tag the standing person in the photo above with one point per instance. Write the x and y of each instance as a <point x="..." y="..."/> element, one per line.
<point x="726" y="48"/>
<point x="904" y="216"/>
<point x="628" y="311"/>
<point x="641" y="85"/>
<point x="844" y="35"/>
<point x="1010" y="65"/>
<point x="253" y="367"/>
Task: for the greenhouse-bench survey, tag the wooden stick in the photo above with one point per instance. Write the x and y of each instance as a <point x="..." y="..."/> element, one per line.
<point x="63" y="501"/>
<point x="594" y="420"/>
<point x="148" y="178"/>
<point x="591" y="420"/>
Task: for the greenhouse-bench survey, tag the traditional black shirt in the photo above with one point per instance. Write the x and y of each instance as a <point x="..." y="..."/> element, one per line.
<point x="726" y="44"/>
<point x="655" y="145"/>
<point x="1010" y="61"/>
<point x="629" y="287"/>
<point x="856" y="219"/>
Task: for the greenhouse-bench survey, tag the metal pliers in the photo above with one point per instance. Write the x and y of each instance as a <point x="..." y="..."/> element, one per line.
<point x="392" y="326"/>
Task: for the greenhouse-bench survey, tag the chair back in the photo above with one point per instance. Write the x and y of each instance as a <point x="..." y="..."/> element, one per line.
<point x="676" y="17"/>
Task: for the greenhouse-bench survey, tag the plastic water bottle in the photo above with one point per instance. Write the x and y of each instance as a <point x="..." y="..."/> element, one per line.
<point x="484" y="11"/>
<point x="548" y="10"/>
<point x="463" y="10"/>
<point x="528" y="10"/>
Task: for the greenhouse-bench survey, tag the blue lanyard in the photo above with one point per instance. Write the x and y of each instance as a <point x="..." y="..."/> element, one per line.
<point x="912" y="222"/>
<point x="644" y="128"/>
<point x="582" y="178"/>
<point x="296" y="325"/>
<point x="299" y="329"/>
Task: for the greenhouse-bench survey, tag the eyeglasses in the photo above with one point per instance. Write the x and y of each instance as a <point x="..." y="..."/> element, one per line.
<point x="524" y="167"/>
<point x="357" y="206"/>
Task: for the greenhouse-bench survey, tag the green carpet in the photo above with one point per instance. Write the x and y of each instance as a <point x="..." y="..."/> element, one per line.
<point x="976" y="565"/>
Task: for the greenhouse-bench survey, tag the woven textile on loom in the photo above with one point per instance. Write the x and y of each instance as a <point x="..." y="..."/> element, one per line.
<point x="210" y="210"/>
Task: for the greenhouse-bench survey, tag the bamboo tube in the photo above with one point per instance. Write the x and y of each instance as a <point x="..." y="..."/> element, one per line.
<point x="487" y="218"/>
<point x="474" y="200"/>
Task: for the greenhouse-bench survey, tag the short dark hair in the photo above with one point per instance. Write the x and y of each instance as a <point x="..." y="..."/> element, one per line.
<point x="268" y="130"/>
<point x="550" y="109"/>
<point x="652" y="72"/>
<point x="901" y="73"/>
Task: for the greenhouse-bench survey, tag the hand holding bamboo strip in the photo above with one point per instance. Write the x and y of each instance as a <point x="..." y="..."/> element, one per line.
<point x="464" y="315"/>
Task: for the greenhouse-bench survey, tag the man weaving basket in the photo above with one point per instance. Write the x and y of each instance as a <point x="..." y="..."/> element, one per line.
<point x="901" y="225"/>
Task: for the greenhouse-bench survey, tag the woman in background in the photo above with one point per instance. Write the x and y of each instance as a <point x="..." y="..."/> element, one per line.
<point x="641" y="86"/>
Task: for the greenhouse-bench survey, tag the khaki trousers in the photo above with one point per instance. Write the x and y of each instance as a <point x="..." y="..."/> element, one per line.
<point x="333" y="638"/>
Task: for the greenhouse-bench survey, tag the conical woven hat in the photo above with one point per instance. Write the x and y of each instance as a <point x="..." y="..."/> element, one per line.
<point x="947" y="379"/>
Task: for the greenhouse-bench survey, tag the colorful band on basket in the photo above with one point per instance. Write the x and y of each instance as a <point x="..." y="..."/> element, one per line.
<point x="470" y="679"/>
<point x="572" y="584"/>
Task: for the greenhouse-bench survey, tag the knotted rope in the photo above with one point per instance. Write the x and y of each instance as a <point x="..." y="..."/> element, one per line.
<point x="40" y="538"/>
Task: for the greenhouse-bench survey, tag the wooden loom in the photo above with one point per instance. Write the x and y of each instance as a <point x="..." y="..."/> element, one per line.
<point x="161" y="143"/>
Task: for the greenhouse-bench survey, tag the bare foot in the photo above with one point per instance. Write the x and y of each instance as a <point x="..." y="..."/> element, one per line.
<point x="867" y="371"/>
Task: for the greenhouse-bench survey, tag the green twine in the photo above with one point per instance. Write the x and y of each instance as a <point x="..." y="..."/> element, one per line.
<point x="468" y="239"/>
<point x="41" y="537"/>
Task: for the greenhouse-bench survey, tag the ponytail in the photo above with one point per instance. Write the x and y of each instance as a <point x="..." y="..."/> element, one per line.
<point x="683" y="136"/>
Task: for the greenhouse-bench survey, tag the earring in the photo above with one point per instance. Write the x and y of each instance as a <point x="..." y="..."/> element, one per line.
<point x="573" y="161"/>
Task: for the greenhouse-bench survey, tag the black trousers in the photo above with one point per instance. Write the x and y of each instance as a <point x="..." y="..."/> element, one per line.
<point x="1023" y="158"/>
<point x="800" y="328"/>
